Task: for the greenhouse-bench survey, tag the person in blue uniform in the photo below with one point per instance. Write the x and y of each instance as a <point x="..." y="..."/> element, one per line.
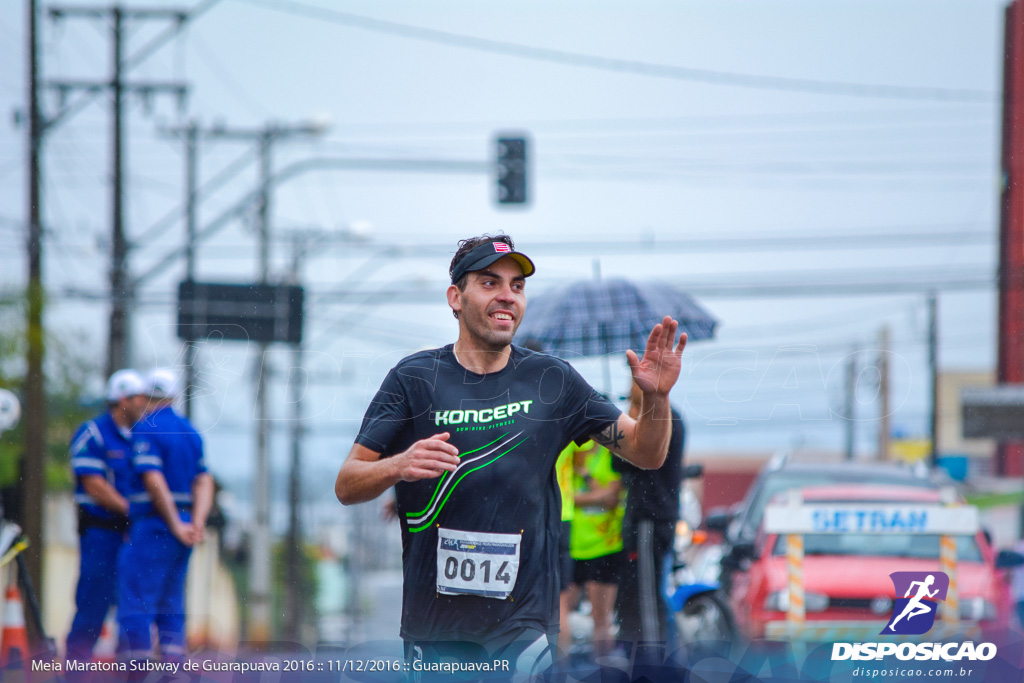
<point x="169" y="501"/>
<point x="468" y="435"/>
<point x="100" y="460"/>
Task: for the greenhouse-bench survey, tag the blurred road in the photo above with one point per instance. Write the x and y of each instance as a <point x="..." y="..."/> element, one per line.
<point x="383" y="592"/>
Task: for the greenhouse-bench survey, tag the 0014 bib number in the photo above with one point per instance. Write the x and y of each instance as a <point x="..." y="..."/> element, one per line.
<point x="476" y="563"/>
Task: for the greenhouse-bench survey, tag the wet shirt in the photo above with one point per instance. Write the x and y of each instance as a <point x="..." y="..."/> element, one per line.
<point x="165" y="442"/>
<point x="101" y="448"/>
<point x="461" y="531"/>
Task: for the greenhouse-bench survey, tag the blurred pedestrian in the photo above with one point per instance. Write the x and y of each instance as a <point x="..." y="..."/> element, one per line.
<point x="1017" y="586"/>
<point x="648" y="529"/>
<point x="563" y="473"/>
<point x="170" y="499"/>
<point x="596" y="543"/>
<point x="100" y="460"/>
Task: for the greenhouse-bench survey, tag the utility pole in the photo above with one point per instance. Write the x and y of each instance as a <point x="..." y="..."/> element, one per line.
<point x="190" y="134"/>
<point x="260" y="557"/>
<point x="191" y="171"/>
<point x="1010" y="370"/>
<point x="31" y="489"/>
<point x="259" y="599"/>
<point x="851" y="401"/>
<point x="120" y="291"/>
<point x="933" y="348"/>
<point x="884" y="342"/>
<point x="295" y="587"/>
<point x="30" y="503"/>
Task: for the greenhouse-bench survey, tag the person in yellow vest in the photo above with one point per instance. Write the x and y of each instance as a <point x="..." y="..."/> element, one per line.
<point x="596" y="539"/>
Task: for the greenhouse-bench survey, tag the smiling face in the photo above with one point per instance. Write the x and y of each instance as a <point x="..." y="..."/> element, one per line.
<point x="491" y="306"/>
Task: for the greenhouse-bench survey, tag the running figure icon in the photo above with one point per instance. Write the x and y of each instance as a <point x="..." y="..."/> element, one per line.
<point x="915" y="606"/>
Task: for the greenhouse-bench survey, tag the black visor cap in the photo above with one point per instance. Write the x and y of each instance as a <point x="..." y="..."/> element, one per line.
<point x="486" y="254"/>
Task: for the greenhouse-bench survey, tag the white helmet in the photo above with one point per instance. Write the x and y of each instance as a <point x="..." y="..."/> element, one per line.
<point x="124" y="383"/>
<point x="162" y="383"/>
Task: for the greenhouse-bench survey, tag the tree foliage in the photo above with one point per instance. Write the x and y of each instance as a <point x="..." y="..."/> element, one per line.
<point x="69" y="374"/>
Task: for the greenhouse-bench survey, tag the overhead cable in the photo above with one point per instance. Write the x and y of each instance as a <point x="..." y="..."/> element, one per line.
<point x="709" y="76"/>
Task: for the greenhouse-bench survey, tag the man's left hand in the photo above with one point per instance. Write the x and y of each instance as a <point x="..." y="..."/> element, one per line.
<point x="658" y="370"/>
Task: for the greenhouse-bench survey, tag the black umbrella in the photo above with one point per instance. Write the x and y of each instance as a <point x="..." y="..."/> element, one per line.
<point x="600" y="317"/>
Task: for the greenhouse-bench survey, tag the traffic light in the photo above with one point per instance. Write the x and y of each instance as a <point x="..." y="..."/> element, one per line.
<point x="511" y="170"/>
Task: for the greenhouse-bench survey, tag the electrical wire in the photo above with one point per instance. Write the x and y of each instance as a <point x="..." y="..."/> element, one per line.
<point x="133" y="60"/>
<point x="830" y="166"/>
<point x="223" y="176"/>
<point x="222" y="74"/>
<point x="708" y="76"/>
<point x="725" y="122"/>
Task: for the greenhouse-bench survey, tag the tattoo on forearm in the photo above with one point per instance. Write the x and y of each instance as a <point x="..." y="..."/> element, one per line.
<point x="610" y="436"/>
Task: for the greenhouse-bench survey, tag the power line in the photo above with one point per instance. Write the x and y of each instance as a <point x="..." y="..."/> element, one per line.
<point x="825" y="122"/>
<point x="843" y="167"/>
<point x="792" y="120"/>
<point x="222" y="74"/>
<point x="918" y="236"/>
<point x="807" y="177"/>
<point x="807" y="284"/>
<point x="144" y="53"/>
<point x="223" y="176"/>
<point x="875" y="238"/>
<point x="713" y="77"/>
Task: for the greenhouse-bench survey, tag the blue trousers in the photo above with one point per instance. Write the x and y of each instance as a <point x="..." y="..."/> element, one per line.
<point x="151" y="589"/>
<point x="97" y="589"/>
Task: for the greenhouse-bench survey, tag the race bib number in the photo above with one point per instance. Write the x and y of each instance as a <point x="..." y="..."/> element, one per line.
<point x="475" y="563"/>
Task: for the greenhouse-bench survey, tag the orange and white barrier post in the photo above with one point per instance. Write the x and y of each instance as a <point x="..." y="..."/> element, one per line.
<point x="106" y="645"/>
<point x="14" y="637"/>
<point x="947" y="564"/>
<point x="795" y="561"/>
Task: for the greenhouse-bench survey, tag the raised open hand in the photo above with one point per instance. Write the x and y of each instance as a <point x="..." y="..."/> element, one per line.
<point x="658" y="370"/>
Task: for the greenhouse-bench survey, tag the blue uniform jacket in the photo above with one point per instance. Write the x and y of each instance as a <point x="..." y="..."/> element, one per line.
<point x="100" y="447"/>
<point x="165" y="442"/>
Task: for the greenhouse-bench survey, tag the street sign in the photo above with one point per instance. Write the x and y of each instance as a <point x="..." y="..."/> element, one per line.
<point x="243" y="312"/>
<point x="903" y="518"/>
<point x="993" y="412"/>
<point x="796" y="518"/>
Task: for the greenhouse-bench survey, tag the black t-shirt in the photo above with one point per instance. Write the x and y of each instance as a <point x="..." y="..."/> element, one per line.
<point x="509" y="427"/>
<point x="654" y="494"/>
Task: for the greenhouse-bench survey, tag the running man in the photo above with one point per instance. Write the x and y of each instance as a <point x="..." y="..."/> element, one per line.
<point x="468" y="435"/>
<point x="916" y="606"/>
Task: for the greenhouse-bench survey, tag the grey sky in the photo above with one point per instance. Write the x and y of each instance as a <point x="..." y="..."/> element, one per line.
<point x="618" y="157"/>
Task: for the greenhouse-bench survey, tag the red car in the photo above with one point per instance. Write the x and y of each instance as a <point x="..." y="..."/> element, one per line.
<point x="846" y="576"/>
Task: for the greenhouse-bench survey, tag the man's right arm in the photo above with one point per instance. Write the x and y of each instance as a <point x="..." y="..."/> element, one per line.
<point x="89" y="465"/>
<point x="105" y="495"/>
<point x="365" y="475"/>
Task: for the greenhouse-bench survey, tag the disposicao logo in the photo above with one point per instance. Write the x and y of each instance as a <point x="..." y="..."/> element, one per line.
<point x="914" y="613"/>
